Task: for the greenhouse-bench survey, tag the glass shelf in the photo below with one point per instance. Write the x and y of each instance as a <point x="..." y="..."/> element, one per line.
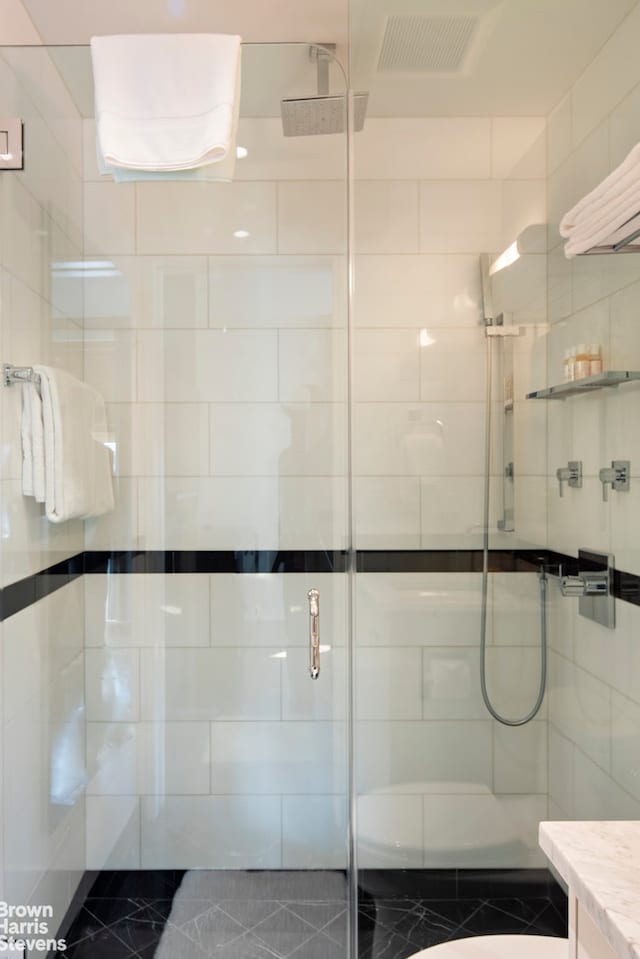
<point x="586" y="385"/>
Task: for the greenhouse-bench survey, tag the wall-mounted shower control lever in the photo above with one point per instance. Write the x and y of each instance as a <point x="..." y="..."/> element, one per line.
<point x="618" y="477"/>
<point x="571" y="474"/>
<point x="592" y="585"/>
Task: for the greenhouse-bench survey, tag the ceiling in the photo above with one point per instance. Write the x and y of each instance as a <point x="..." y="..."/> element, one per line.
<point x="75" y="21"/>
<point x="524" y="54"/>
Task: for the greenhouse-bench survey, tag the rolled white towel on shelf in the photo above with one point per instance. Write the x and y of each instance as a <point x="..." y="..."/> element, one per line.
<point x="167" y="105"/>
<point x="603" y="211"/>
<point x="77" y="464"/>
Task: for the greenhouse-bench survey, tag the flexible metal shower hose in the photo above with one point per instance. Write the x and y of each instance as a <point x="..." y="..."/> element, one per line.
<point x="542" y="577"/>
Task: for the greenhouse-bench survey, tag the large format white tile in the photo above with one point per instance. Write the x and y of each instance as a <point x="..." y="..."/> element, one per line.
<point x="119" y="529"/>
<point x="211" y="684"/>
<point x="313" y="513"/>
<point x="452" y="510"/>
<point x="424" y="757"/>
<point x="323" y="847"/>
<point x="452" y="365"/>
<point x="212" y="832"/>
<point x="109" y="218"/>
<point x="148" y="758"/>
<point x="211" y="365"/>
<point x="460" y="216"/>
<point x="187" y="218"/>
<point x="264" y="609"/>
<point x="482" y="831"/>
<point x="312" y="217"/>
<point x="239" y="513"/>
<point x="515" y="600"/>
<point x="270" y="758"/>
<point x="25" y="236"/>
<point x="426" y="609"/>
<point x="173" y="291"/>
<point x="312" y="366"/>
<point x="609" y="76"/>
<point x="146" y="610"/>
<point x="160" y="439"/>
<point x="387" y="365"/>
<point x="625" y="734"/>
<point x="386" y="217"/>
<point x="39" y="643"/>
<point x="436" y="439"/>
<point x="597" y="796"/>
<point x="412" y="148"/>
<point x="520" y="758"/>
<point x="580" y="709"/>
<point x="112" y="685"/>
<point x="45" y="741"/>
<point x="272" y="156"/>
<point x="624" y="130"/>
<point x="110" y="364"/>
<point x="390" y="831"/>
<point x="278" y="439"/>
<point x="30" y="543"/>
<point x="113" y="832"/>
<point x="524" y="205"/>
<point x="145" y="291"/>
<point x="387" y="512"/>
<point x="419" y="291"/>
<point x="515" y="142"/>
<point x="451" y="683"/>
<point x="559" y="135"/>
<point x="513" y="679"/>
<point x="560" y="770"/>
<point x="305" y="699"/>
<point x="277" y="291"/>
<point x="389" y="683"/>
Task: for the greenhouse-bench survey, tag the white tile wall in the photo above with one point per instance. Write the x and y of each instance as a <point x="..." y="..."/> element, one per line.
<point x="460" y="217"/>
<point x="592" y="702"/>
<point x="325" y="847"/>
<point x="42" y="803"/>
<point x="282" y="291"/>
<point x="146" y="610"/>
<point x="311" y="217"/>
<point x="386" y="218"/>
<point x="211" y="832"/>
<point x="209" y="214"/>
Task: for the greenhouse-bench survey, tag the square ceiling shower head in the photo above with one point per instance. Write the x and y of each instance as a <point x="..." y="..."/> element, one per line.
<point x="426" y="44"/>
<point x="309" y="116"/>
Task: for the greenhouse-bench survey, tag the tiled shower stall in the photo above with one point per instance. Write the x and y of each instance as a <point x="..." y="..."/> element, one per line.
<point x="294" y="371"/>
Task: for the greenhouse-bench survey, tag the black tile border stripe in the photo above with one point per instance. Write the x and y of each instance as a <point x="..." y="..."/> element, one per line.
<point x="25" y="592"/>
<point x="217" y="561"/>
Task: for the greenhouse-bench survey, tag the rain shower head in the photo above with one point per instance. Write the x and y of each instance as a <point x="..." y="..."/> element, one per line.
<point x="324" y="113"/>
<point x="310" y="116"/>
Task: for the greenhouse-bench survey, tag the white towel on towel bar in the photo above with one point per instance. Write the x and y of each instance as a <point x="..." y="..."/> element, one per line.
<point x="167" y="103"/>
<point x="33" y="483"/>
<point x="604" y="210"/>
<point x="77" y="465"/>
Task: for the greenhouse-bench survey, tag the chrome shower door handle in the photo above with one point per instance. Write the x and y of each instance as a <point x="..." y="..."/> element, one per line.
<point x="314" y="633"/>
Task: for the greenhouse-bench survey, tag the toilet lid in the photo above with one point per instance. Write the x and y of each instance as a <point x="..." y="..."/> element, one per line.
<point x="499" y="947"/>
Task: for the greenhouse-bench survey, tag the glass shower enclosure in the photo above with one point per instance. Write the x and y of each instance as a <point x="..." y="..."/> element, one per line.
<point x="212" y="317"/>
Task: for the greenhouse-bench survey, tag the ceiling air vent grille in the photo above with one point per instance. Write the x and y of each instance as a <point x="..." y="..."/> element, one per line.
<point x="426" y="44"/>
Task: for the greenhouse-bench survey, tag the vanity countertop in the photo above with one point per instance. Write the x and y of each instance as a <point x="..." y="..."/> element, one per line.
<point x="600" y="862"/>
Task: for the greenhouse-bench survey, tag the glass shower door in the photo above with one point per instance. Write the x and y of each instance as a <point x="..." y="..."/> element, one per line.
<point x="213" y="319"/>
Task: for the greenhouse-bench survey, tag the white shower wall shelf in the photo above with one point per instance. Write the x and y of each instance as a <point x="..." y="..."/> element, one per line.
<point x="589" y="384"/>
